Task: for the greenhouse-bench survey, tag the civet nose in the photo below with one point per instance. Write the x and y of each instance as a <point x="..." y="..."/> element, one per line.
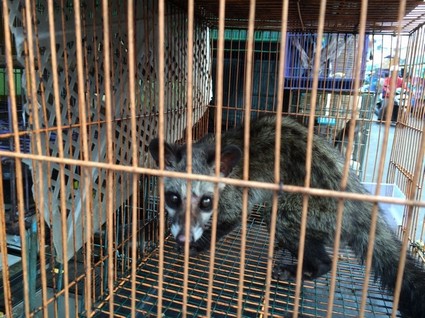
<point x="181" y="238"/>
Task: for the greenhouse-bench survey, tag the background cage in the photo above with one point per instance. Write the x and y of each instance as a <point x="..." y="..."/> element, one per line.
<point x="86" y="235"/>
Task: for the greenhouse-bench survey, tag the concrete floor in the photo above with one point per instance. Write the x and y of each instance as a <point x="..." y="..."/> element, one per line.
<point x="373" y="159"/>
<point x="375" y="152"/>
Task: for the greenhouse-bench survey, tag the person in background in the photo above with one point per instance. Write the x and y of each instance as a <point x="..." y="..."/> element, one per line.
<point x="386" y="90"/>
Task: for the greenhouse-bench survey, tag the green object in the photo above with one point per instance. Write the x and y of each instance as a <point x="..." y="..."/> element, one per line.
<point x="241" y="35"/>
<point x="4" y="86"/>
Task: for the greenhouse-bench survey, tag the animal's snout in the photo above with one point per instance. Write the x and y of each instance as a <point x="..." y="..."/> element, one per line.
<point x="181" y="239"/>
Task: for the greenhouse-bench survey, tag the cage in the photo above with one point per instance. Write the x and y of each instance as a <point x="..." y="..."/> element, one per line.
<point x="87" y="86"/>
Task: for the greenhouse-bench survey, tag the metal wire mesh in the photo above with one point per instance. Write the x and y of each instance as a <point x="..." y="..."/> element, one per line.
<point x="314" y="294"/>
<point x="101" y="79"/>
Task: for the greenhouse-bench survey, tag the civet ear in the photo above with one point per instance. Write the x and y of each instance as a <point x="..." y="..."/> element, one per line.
<point x="172" y="153"/>
<point x="229" y="158"/>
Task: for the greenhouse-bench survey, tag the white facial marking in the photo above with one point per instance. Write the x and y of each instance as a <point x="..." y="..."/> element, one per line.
<point x="175" y="230"/>
<point x="205" y="217"/>
<point x="196" y="189"/>
<point x="183" y="188"/>
<point x="171" y="212"/>
<point x="197" y="232"/>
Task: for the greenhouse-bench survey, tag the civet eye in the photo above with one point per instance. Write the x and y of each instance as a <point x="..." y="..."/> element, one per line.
<point x="206" y="203"/>
<point x="172" y="200"/>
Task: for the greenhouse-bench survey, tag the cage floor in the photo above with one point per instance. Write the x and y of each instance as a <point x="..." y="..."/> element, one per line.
<point x="314" y="294"/>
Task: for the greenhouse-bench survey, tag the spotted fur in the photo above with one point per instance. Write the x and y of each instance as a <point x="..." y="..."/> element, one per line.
<point x="327" y="166"/>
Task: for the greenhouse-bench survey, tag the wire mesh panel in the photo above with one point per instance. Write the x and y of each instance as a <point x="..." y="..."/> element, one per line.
<point x="314" y="293"/>
<point x="139" y="212"/>
<point x="94" y="84"/>
<point x="405" y="165"/>
<point x="87" y="117"/>
<point x="335" y="102"/>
